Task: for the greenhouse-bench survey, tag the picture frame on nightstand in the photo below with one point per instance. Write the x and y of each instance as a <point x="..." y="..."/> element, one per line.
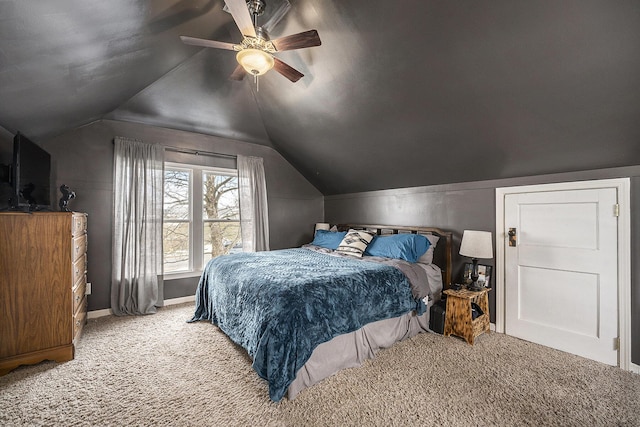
<point x="484" y="274"/>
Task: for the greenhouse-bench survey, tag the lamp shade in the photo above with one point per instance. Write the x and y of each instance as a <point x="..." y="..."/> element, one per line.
<point x="322" y="226"/>
<point x="254" y="61"/>
<point x="476" y="244"/>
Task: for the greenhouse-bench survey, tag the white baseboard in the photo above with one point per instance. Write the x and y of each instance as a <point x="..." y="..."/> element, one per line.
<point x="99" y="313"/>
<point x="174" y="301"/>
<point x="108" y="312"/>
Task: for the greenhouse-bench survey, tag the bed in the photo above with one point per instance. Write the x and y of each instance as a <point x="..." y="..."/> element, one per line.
<point x="305" y="313"/>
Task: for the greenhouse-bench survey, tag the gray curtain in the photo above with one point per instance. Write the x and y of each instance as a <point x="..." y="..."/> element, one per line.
<point x="254" y="212"/>
<point x="136" y="279"/>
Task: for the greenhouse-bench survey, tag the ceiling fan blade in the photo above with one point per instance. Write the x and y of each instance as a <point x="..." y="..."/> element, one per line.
<point x="238" y="73"/>
<point x="287" y="70"/>
<point x="206" y="43"/>
<point x="241" y="15"/>
<point x="297" y="41"/>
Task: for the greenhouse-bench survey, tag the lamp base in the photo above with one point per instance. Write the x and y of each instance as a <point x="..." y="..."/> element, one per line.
<point x="475" y="287"/>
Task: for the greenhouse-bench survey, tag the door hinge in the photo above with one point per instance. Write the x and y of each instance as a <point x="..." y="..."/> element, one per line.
<point x="616" y="210"/>
<point x="616" y="343"/>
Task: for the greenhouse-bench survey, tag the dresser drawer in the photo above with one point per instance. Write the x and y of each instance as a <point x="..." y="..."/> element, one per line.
<point x="79" y="246"/>
<point x="78" y="292"/>
<point x="79" y="269"/>
<point x="79" y="225"/>
<point x="79" y="319"/>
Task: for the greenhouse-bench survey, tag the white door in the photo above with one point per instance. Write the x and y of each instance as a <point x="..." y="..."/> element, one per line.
<point x="561" y="284"/>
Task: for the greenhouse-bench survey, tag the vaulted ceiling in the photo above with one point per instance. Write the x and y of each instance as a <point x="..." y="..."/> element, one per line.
<point x="399" y="94"/>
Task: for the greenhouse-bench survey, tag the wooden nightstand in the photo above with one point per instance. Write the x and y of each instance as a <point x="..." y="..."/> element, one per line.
<point x="458" y="320"/>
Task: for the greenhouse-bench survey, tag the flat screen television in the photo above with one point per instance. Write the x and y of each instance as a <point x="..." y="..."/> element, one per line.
<point x="30" y="176"/>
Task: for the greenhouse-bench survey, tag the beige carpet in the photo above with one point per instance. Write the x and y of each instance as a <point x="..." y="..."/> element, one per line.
<point x="160" y="370"/>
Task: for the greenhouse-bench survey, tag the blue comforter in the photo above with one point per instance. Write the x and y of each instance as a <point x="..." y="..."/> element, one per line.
<point x="280" y="305"/>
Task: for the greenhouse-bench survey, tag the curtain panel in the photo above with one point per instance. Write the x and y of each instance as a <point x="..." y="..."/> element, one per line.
<point x="254" y="212"/>
<point x="138" y="173"/>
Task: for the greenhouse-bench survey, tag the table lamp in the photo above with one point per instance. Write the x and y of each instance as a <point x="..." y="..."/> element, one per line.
<point x="476" y="244"/>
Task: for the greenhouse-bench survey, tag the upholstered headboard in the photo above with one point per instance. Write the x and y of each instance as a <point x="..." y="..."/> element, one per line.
<point x="442" y="252"/>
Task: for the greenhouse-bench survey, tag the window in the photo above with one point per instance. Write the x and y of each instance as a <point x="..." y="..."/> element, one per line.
<point x="201" y="216"/>
<point x="176" y="229"/>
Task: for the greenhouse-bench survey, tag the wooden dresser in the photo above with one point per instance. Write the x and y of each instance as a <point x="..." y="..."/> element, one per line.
<point x="43" y="266"/>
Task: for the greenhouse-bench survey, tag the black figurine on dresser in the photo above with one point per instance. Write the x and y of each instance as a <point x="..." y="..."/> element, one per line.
<point x="67" y="195"/>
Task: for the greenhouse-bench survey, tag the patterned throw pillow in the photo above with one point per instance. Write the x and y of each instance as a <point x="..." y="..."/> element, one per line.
<point x="355" y="242"/>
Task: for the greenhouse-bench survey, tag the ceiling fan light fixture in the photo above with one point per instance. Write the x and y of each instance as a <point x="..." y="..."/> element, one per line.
<point x="255" y="61"/>
<point x="255" y="54"/>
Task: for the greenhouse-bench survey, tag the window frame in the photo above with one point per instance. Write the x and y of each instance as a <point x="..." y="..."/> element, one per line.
<point x="196" y="217"/>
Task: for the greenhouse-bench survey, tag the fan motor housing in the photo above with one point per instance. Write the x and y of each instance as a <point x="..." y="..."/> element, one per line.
<point x="256" y="7"/>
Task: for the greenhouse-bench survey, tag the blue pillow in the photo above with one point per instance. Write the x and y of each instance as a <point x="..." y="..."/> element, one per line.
<point x="408" y="247"/>
<point x="328" y="239"/>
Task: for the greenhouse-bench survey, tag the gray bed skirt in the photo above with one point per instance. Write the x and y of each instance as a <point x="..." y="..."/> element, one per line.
<point x="352" y="349"/>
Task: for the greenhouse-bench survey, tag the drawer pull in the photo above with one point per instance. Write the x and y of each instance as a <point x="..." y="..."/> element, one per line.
<point x="77" y="298"/>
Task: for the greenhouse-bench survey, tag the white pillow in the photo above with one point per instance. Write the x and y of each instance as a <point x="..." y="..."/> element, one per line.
<point x="427" y="258"/>
<point x="355" y="242"/>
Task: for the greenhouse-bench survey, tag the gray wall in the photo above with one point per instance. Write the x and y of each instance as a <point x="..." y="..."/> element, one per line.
<point x="83" y="160"/>
<point x="457" y="207"/>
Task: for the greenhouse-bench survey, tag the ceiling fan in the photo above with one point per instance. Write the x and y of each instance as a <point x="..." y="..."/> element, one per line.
<point x="255" y="52"/>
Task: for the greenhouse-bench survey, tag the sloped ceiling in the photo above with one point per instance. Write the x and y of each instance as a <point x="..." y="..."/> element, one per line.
<point x="400" y="94"/>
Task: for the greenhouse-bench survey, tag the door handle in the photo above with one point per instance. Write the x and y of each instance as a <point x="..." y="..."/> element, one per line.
<point x="512" y="236"/>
